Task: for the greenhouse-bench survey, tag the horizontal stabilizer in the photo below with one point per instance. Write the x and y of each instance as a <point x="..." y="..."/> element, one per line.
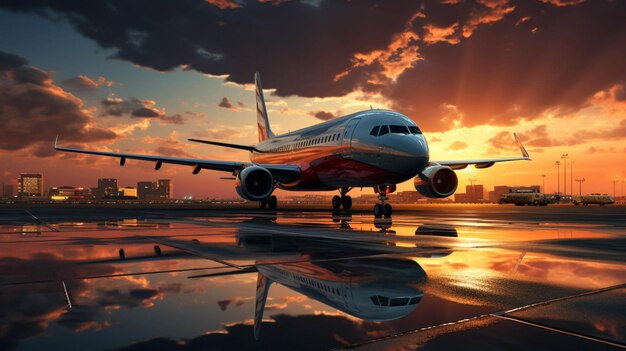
<point x="232" y="146"/>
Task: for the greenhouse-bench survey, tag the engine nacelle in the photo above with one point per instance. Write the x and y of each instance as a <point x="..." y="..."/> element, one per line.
<point x="254" y="183"/>
<point x="441" y="182"/>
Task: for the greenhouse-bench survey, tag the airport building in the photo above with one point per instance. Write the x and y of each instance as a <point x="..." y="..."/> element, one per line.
<point x="30" y="184"/>
<point x="107" y="187"/>
<point x="68" y="192"/>
<point x="161" y="190"/>
<point x="166" y="187"/>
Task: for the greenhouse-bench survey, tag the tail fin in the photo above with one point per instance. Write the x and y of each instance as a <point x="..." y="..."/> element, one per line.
<point x="263" y="123"/>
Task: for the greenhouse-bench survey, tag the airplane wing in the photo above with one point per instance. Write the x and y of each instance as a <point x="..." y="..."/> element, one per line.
<point x="284" y="173"/>
<point x="484" y="163"/>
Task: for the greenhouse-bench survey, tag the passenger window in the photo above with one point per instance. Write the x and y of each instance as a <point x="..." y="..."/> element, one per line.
<point x="399" y="130"/>
<point x="414" y="130"/>
<point x="374" y="131"/>
<point x="383" y="130"/>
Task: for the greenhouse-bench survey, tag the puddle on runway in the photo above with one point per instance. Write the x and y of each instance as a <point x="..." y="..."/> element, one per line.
<point x="330" y="281"/>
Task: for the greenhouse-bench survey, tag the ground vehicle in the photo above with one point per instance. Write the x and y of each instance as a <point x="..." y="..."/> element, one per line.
<point x="597" y="199"/>
<point x="521" y="198"/>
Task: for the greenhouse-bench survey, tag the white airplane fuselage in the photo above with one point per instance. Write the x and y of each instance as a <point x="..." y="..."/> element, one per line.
<point x="350" y="151"/>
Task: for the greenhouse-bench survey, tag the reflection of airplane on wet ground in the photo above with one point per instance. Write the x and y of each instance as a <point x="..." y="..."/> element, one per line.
<point x="372" y="148"/>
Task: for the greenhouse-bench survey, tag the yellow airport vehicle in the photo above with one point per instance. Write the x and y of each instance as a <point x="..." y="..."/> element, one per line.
<point x="593" y="199"/>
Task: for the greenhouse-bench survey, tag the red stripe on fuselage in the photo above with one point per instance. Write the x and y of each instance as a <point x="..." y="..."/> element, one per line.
<point x="324" y="168"/>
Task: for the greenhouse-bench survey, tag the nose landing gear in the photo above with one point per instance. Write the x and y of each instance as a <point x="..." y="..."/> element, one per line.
<point x="344" y="200"/>
<point x="383" y="209"/>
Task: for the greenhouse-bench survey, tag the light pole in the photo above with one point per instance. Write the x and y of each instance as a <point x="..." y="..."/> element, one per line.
<point x="580" y="186"/>
<point x="615" y="181"/>
<point x="558" y="176"/>
<point x="564" y="158"/>
<point x="543" y="183"/>
<point x="571" y="178"/>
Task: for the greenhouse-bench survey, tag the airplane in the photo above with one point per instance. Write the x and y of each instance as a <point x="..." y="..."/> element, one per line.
<point x="372" y="148"/>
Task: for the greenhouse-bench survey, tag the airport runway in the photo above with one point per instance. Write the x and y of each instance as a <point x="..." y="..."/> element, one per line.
<point x="433" y="277"/>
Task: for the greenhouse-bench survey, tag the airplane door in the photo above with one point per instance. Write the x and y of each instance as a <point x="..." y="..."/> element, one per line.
<point x="346" y="137"/>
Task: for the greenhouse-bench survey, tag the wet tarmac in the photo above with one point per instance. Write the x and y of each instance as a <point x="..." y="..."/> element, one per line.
<point x="441" y="277"/>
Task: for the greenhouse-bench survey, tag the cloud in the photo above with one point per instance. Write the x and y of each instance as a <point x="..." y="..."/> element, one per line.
<point x="82" y="83"/>
<point x="225" y="103"/>
<point x="323" y="332"/>
<point x="33" y="110"/>
<point x="297" y="46"/>
<point x="174" y="119"/>
<point x="495" y="61"/>
<point x="457" y="146"/>
<point x="222" y="132"/>
<point x="118" y="107"/>
<point x="323" y="115"/>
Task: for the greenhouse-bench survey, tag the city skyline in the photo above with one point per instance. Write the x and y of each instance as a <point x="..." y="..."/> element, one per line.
<point x="112" y="96"/>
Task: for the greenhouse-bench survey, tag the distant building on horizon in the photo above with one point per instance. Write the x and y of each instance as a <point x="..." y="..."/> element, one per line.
<point x="498" y="191"/>
<point x="30" y="184"/>
<point x="166" y="187"/>
<point x="107" y="187"/>
<point x="148" y="191"/>
<point x="68" y="192"/>
<point x="160" y="190"/>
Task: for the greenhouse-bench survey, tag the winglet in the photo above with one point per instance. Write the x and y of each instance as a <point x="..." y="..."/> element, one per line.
<point x="521" y="147"/>
<point x="56" y="140"/>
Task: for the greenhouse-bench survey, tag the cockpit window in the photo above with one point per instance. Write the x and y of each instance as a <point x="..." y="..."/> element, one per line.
<point x="399" y="129"/>
<point x="374" y="131"/>
<point x="414" y="300"/>
<point x="399" y="301"/>
<point x="415" y="130"/>
<point x="383" y="130"/>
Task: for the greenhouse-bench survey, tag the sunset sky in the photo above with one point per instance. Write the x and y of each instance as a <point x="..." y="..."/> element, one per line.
<point x="143" y="76"/>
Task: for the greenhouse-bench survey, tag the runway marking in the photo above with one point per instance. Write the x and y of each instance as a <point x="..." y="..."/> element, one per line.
<point x="559" y="330"/>
<point x="67" y="296"/>
<point x="42" y="222"/>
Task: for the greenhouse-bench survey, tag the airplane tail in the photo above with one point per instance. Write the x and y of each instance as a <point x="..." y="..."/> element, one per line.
<point x="263" y="123"/>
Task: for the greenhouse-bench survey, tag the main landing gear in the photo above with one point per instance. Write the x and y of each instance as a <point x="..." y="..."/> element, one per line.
<point x="344" y="200"/>
<point x="270" y="203"/>
<point x="383" y="209"/>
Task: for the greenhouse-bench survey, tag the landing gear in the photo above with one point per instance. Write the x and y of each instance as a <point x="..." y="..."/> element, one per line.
<point x="344" y="200"/>
<point x="383" y="209"/>
<point x="269" y="203"/>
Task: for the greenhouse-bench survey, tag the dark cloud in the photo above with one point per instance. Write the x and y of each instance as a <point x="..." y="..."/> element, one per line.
<point x="84" y="83"/>
<point x="323" y="115"/>
<point x="33" y="110"/>
<point x="118" y="107"/>
<point x="225" y="103"/>
<point x="174" y="119"/>
<point x="502" y="73"/>
<point x="8" y="61"/>
<point x="298" y="47"/>
<point x="285" y="333"/>
<point x="491" y="62"/>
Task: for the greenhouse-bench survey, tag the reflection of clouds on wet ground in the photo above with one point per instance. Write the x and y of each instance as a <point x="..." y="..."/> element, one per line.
<point x="333" y="285"/>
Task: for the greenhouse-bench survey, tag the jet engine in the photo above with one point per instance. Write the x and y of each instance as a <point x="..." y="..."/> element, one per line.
<point x="254" y="183"/>
<point x="436" y="182"/>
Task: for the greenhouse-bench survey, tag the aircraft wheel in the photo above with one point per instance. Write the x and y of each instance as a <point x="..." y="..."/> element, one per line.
<point x="336" y="202"/>
<point x="388" y="210"/>
<point x="378" y="210"/>
<point x="346" y="202"/>
<point x="272" y="202"/>
<point x="263" y="204"/>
